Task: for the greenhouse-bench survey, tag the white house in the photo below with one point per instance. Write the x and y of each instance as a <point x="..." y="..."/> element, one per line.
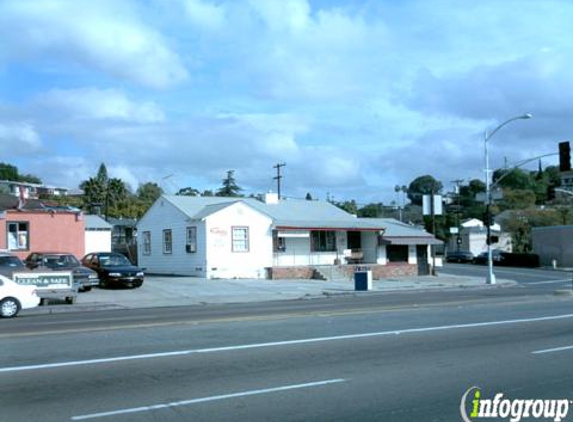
<point x="473" y="238"/>
<point x="98" y="234"/>
<point x="247" y="238"/>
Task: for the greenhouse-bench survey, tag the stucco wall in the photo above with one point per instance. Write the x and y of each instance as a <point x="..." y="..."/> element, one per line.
<point x="223" y="261"/>
<point x="98" y="241"/>
<point x="553" y="243"/>
<point x="48" y="231"/>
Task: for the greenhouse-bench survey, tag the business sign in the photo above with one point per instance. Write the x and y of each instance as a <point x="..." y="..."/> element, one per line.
<point x="59" y="280"/>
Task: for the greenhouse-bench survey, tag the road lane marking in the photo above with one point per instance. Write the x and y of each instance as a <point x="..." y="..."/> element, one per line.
<point x="281" y="343"/>
<point x="555" y="349"/>
<point x="563" y="280"/>
<point x="206" y="399"/>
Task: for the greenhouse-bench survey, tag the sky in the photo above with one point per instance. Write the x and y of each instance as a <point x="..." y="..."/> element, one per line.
<point x="355" y="96"/>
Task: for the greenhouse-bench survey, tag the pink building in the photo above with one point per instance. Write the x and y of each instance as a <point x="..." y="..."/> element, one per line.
<point x="27" y="227"/>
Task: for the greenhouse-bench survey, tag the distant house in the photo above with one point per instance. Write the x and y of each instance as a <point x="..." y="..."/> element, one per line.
<point x="473" y="235"/>
<point x="98" y="234"/>
<point x="244" y="237"/>
<point x="28" y="190"/>
<point x="29" y="225"/>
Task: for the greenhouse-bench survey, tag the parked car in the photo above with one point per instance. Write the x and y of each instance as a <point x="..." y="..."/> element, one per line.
<point x="114" y="269"/>
<point x="14" y="297"/>
<point x="496" y="257"/>
<point x="84" y="278"/>
<point x="9" y="263"/>
<point x="460" y="256"/>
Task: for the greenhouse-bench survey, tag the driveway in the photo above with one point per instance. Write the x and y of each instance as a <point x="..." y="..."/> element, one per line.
<point x="182" y="291"/>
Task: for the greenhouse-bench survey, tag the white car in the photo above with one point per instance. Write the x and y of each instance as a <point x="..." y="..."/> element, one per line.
<point x="14" y="297"/>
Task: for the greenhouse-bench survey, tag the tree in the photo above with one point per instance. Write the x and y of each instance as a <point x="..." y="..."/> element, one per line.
<point x="423" y="185"/>
<point x="149" y="192"/>
<point x="94" y="194"/>
<point x="230" y="187"/>
<point x="371" y="210"/>
<point x="348" y="206"/>
<point x="308" y="196"/>
<point x="102" y="174"/>
<point x="10" y="172"/>
<point x="188" y="191"/>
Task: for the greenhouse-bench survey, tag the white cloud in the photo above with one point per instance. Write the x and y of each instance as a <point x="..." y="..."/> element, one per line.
<point x="101" y="35"/>
<point x="92" y="103"/>
<point x="205" y="15"/>
<point x="19" y="138"/>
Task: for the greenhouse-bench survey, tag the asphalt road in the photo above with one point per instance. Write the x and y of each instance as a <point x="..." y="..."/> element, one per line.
<point x="540" y="279"/>
<point x="366" y="358"/>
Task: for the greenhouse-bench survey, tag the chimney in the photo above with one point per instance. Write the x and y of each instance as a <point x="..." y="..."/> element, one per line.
<point x="271" y="198"/>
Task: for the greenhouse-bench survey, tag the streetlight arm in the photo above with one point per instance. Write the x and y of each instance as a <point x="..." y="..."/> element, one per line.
<point x="493" y="132"/>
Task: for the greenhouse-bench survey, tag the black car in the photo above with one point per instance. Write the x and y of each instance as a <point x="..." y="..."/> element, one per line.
<point x="9" y="264"/>
<point x="114" y="269"/>
<point x="84" y="278"/>
<point x="496" y="257"/>
<point x="460" y="256"/>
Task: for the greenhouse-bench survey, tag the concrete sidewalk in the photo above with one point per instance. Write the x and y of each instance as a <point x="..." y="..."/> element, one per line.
<point x="186" y="291"/>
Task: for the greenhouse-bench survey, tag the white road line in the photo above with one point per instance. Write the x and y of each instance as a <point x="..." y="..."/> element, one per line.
<point x="556" y="349"/>
<point x="281" y="343"/>
<point x="564" y="280"/>
<point x="206" y="399"/>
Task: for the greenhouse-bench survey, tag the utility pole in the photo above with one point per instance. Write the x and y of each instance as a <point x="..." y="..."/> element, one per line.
<point x="278" y="177"/>
<point x="458" y="183"/>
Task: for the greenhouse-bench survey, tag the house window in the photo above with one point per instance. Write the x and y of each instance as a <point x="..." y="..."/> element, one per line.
<point x="18" y="236"/>
<point x="397" y="253"/>
<point x="323" y="241"/>
<point x="167" y="242"/>
<point x="279" y="243"/>
<point x="191" y="242"/>
<point x="147" y="243"/>
<point x="240" y="239"/>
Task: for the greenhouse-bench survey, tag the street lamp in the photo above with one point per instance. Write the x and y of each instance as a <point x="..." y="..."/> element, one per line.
<point x="490" y="275"/>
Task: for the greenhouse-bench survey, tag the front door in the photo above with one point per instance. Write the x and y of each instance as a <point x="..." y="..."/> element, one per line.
<point x="422" y="258"/>
<point x="354" y="240"/>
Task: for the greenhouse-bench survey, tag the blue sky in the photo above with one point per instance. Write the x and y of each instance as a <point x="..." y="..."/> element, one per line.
<point x="355" y="96"/>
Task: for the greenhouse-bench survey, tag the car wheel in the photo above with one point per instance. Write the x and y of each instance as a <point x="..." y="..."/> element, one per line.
<point x="103" y="284"/>
<point x="9" y="307"/>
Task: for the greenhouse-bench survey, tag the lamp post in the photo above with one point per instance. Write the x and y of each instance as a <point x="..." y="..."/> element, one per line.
<point x="490" y="275"/>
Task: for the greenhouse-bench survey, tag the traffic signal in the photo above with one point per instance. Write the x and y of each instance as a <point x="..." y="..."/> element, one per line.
<point x="564" y="156"/>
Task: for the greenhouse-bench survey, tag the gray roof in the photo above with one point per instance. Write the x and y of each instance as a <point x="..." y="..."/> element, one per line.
<point x="395" y="228"/>
<point x="95" y="222"/>
<point x="287" y="214"/>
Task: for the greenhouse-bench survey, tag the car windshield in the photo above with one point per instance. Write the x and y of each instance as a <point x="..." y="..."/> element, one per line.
<point x="113" y="260"/>
<point x="55" y="261"/>
<point x="10" y="261"/>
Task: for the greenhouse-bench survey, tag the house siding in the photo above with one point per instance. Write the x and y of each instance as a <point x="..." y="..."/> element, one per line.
<point x="165" y="216"/>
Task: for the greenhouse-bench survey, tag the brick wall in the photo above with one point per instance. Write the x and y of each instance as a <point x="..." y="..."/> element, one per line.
<point x="378" y="271"/>
<point x="290" y="272"/>
<point x="385" y="271"/>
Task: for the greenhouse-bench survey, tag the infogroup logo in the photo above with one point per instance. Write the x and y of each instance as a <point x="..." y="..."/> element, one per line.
<point x="512" y="409"/>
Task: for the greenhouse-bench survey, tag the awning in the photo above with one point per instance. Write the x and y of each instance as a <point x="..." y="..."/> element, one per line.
<point x="426" y="240"/>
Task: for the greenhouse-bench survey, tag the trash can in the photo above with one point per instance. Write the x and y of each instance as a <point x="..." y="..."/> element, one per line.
<point x="363" y="280"/>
